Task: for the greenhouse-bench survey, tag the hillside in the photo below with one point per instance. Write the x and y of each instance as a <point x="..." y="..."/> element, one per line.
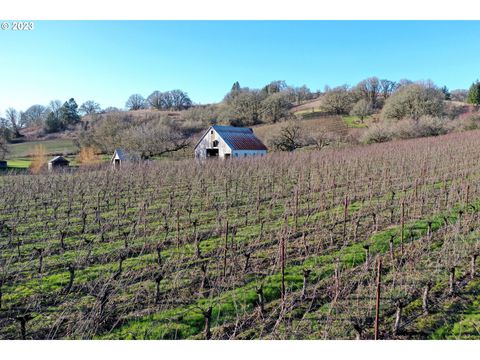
<point x="309" y="116"/>
<point x="309" y="106"/>
<point x="313" y="126"/>
<point x="286" y="246"/>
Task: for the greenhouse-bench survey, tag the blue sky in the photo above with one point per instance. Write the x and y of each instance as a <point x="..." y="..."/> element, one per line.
<point x="109" y="60"/>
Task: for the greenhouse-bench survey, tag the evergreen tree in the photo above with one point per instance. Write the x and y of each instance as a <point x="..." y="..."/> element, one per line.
<point x="69" y="113"/>
<point x="446" y="92"/>
<point x="474" y="93"/>
<point x="236" y="86"/>
<point x="53" y="123"/>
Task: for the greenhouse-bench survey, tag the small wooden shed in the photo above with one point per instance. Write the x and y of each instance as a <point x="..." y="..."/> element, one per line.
<point x="118" y="158"/>
<point x="57" y="162"/>
<point x="3" y="164"/>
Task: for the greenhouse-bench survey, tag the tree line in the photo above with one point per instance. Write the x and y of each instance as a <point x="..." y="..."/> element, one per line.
<point x="396" y="110"/>
<point x="58" y="116"/>
<point x="241" y="106"/>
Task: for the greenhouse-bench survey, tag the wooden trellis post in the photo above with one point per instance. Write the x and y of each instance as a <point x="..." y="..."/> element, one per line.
<point x="377" y="302"/>
<point x="225" y="250"/>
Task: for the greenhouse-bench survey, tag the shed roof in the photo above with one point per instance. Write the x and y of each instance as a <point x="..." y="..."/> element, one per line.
<point x="57" y="159"/>
<point x="119" y="154"/>
<point x="239" y="138"/>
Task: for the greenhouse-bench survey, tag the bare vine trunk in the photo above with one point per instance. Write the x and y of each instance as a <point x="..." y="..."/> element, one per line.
<point x="425" y="303"/>
<point x="398" y="319"/>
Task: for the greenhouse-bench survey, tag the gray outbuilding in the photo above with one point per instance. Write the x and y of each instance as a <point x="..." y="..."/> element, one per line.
<point x="57" y="162"/>
<point x="118" y="158"/>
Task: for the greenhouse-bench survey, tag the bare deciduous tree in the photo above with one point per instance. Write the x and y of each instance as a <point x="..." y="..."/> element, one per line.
<point x="289" y="138"/>
<point x="13" y="117"/>
<point x="35" y="114"/>
<point x="89" y="107"/>
<point x="362" y="109"/>
<point x="369" y="90"/>
<point x="135" y="102"/>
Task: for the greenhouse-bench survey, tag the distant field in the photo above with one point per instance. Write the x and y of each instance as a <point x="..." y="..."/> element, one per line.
<point x="57" y="146"/>
<point x="313" y="105"/>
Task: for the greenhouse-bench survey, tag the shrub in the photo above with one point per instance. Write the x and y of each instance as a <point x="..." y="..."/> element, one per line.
<point x="408" y="129"/>
<point x="404" y="129"/>
<point x="39" y="161"/>
<point x="88" y="156"/>
<point x="432" y="126"/>
<point x="453" y="110"/>
<point x="377" y="133"/>
<point x="469" y="122"/>
<point x="425" y="126"/>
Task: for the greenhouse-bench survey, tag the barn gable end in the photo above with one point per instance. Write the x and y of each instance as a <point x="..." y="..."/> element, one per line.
<point x="229" y="141"/>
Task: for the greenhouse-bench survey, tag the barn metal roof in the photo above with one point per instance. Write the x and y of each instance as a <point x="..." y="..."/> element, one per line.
<point x="239" y="138"/>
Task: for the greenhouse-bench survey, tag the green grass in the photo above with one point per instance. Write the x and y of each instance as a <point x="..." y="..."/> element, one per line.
<point x="24" y="162"/>
<point x="19" y="163"/>
<point x="459" y="318"/>
<point x="19" y="156"/>
<point x="57" y="146"/>
<point x="187" y="322"/>
<point x="354" y="122"/>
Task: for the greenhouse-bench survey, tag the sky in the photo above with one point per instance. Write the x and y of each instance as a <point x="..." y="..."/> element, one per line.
<point x="107" y="61"/>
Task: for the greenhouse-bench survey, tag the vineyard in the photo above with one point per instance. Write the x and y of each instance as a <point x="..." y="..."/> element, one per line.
<point x="366" y="242"/>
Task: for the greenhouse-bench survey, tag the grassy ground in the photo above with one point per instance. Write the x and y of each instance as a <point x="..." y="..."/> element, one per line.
<point x="19" y="163"/>
<point x="308" y="106"/>
<point x="24" y="163"/>
<point x="56" y="146"/>
<point x="308" y="112"/>
<point x="330" y="124"/>
<point x="19" y="156"/>
<point x="355" y="122"/>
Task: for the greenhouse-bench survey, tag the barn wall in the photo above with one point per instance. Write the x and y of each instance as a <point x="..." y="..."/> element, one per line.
<point x="247" y="153"/>
<point x="207" y="143"/>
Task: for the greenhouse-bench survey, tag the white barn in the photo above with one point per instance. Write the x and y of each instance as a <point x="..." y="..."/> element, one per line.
<point x="229" y="141"/>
